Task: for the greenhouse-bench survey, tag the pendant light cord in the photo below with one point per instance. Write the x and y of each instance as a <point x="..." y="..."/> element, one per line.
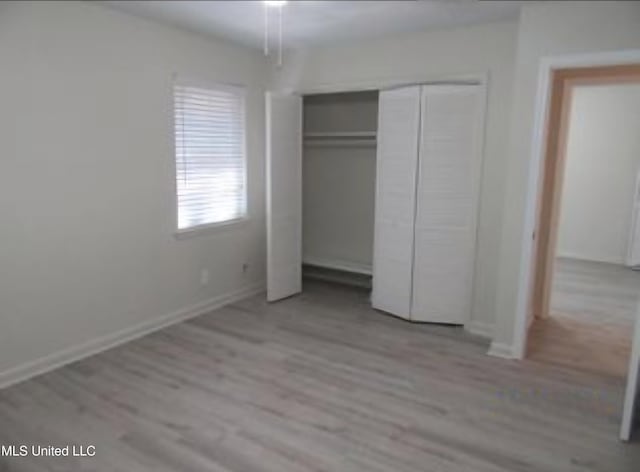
<point x="266" y="30"/>
<point x="280" y="36"/>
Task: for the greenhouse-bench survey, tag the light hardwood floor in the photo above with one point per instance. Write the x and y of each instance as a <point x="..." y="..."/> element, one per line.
<point x="593" y="309"/>
<point x="318" y="382"/>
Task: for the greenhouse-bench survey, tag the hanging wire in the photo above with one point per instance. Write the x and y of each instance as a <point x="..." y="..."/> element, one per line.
<point x="266" y="30"/>
<point x="280" y="36"/>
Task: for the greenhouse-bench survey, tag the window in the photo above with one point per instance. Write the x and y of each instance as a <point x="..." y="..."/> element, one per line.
<point x="210" y="155"/>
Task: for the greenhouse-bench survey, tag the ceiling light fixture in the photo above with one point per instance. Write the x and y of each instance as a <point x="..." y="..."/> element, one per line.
<point x="273" y="4"/>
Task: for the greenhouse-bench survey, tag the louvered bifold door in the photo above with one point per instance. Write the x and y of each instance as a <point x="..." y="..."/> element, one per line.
<point x="398" y="125"/>
<point x="447" y="203"/>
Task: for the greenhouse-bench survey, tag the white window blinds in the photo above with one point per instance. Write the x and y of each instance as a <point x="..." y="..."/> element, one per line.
<point x="210" y="154"/>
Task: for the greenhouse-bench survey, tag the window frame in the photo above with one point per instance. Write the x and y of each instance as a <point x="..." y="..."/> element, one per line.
<point x="192" y="231"/>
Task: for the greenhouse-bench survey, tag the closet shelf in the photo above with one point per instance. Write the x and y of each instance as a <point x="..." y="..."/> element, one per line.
<point x="340" y="142"/>
<point x="340" y="139"/>
<point x="340" y="134"/>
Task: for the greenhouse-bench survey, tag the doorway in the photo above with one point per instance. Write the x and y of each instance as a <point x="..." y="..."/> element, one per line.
<point x="592" y="293"/>
<point x="535" y="320"/>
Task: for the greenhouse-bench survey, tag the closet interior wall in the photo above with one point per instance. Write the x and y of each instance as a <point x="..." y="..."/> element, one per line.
<point x="338" y="184"/>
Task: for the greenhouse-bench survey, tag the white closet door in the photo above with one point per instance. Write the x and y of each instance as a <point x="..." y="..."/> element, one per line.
<point x="633" y="252"/>
<point x="284" y="196"/>
<point x="398" y="126"/>
<point x="630" y="409"/>
<point x="446" y="210"/>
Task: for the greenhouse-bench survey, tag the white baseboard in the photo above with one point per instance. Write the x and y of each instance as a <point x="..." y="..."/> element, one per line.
<point x="502" y="350"/>
<point x="480" y="328"/>
<point x="346" y="266"/>
<point x="96" y="345"/>
<point x="588" y="258"/>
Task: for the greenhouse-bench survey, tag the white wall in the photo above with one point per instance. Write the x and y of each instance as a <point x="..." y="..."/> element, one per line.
<point x="87" y="246"/>
<point x="546" y="29"/>
<point x="339" y="182"/>
<point x="437" y="55"/>
<point x="602" y="161"/>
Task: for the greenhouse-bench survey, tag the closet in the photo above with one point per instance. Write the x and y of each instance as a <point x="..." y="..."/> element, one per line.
<point x="338" y="185"/>
<point x="382" y="183"/>
<point x="428" y="175"/>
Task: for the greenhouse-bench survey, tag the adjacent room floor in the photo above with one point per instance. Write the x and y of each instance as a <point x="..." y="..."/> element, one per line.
<point x="318" y="382"/>
<point x="593" y="308"/>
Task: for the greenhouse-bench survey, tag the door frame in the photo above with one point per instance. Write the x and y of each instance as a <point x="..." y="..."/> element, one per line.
<point x="635" y="221"/>
<point x="545" y="170"/>
<point x="477" y="78"/>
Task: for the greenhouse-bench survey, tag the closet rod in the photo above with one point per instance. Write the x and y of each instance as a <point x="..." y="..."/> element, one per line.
<point x="340" y="143"/>
<point x="341" y="134"/>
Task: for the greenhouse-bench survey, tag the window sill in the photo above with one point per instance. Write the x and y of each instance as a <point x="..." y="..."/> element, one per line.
<point x="203" y="230"/>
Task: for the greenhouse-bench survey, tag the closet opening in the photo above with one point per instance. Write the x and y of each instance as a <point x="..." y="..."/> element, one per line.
<point x="378" y="189"/>
<point x="338" y="186"/>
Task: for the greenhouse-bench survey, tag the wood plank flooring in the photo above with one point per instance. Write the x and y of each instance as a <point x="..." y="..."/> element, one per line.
<point x="318" y="382"/>
<point x="593" y="309"/>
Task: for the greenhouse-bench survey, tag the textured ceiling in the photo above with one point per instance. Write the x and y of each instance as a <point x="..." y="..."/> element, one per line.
<point x="309" y="23"/>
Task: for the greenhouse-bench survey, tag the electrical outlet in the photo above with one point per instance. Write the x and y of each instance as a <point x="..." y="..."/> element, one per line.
<point x="204" y="277"/>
